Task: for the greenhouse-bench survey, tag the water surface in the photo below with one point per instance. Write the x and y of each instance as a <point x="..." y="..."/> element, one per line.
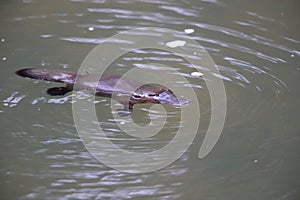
<point x="255" y="45"/>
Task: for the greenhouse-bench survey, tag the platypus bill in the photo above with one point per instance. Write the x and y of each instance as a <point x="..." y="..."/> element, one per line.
<point x="105" y="87"/>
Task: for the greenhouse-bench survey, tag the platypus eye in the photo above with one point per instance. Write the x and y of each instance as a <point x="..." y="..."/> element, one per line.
<point x="136" y="96"/>
<point x="153" y="95"/>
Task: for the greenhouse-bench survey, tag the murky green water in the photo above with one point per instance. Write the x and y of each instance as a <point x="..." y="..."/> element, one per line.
<point x="256" y="47"/>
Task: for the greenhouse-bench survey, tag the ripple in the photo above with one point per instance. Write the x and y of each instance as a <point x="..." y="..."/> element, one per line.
<point x="181" y="11"/>
<point x="253" y="69"/>
<point x="94" y="40"/>
<point x="238" y="34"/>
<point x="248" y="53"/>
<point x="134" y="14"/>
<point x="260" y="16"/>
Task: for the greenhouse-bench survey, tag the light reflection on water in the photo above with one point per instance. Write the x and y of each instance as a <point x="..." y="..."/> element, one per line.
<point x="43" y="156"/>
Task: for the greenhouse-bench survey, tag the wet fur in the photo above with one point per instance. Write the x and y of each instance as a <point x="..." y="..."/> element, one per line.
<point x="127" y="93"/>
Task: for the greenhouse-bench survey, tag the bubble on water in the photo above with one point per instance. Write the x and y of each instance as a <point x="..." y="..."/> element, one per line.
<point x="189" y="30"/>
<point x="46" y="36"/>
<point x="65" y="66"/>
<point x="176" y="43"/>
<point x="196" y="74"/>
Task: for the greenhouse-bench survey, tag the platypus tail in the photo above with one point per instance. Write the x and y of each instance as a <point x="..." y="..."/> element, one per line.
<point x="48" y="75"/>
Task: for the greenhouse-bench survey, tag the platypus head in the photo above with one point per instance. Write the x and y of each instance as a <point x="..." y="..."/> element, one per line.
<point x="156" y="95"/>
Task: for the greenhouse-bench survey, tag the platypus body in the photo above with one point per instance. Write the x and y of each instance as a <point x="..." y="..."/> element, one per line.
<point x="127" y="93"/>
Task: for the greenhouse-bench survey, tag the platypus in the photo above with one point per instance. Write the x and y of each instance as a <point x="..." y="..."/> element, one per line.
<point x="127" y="92"/>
